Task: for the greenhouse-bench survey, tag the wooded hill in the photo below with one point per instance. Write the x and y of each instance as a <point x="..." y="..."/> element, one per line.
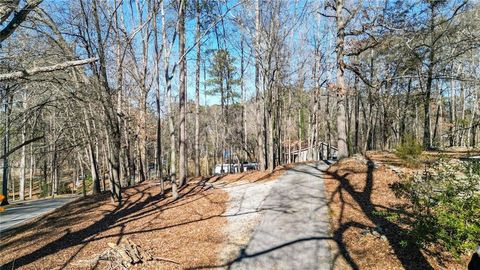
<point x="99" y="88"/>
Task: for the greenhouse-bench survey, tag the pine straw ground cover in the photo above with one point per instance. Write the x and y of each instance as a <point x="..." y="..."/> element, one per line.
<point x="183" y="234"/>
<point x="177" y="235"/>
<point x="360" y="192"/>
<point x="253" y="176"/>
<point x="389" y="157"/>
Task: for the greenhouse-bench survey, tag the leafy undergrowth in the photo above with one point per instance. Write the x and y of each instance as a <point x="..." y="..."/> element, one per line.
<point x="178" y="235"/>
<point x="409" y="150"/>
<point x="445" y="201"/>
<point x="371" y="224"/>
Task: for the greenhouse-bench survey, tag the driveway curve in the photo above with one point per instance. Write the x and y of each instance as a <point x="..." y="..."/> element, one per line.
<point x="294" y="230"/>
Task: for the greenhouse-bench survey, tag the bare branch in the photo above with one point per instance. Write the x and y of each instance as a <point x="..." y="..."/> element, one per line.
<point x="29" y="72"/>
<point x="27" y="142"/>
<point x="326" y="15"/>
<point x="6" y="9"/>
<point x="18" y="19"/>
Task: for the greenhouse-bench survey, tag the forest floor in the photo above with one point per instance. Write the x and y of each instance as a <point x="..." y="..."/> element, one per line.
<point x="216" y="220"/>
<point x="360" y="191"/>
<point x="186" y="233"/>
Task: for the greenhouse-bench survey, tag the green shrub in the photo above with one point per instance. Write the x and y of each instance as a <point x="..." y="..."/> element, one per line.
<point x="409" y="150"/>
<point x="44" y="189"/>
<point x="446" y="205"/>
<point x="88" y="184"/>
<point x="64" y="188"/>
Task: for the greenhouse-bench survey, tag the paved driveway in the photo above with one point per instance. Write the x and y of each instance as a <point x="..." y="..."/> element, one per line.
<point x="18" y="213"/>
<point x="293" y="233"/>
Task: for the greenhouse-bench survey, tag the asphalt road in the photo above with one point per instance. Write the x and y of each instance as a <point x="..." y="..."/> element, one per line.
<point x="293" y="233"/>
<point x="18" y="213"/>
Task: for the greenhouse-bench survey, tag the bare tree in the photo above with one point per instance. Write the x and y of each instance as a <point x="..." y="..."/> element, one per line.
<point x="197" y="89"/>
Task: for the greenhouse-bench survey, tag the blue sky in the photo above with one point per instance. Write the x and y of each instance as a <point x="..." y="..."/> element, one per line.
<point x="232" y="37"/>
<point x="299" y="44"/>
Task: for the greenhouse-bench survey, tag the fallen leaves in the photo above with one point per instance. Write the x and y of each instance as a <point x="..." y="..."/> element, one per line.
<point x="181" y="234"/>
<point x="360" y="192"/>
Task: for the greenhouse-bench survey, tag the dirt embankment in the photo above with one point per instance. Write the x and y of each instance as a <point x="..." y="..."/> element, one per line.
<point x="369" y="222"/>
<point x="187" y="233"/>
<point x="177" y="235"/>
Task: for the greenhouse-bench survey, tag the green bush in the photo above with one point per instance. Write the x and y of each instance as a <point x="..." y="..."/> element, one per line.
<point x="446" y="205"/>
<point x="410" y="149"/>
<point x="64" y="188"/>
<point x="88" y="184"/>
<point x="44" y="189"/>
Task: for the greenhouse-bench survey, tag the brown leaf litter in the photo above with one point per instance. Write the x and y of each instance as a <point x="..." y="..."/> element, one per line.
<point x="177" y="235"/>
<point x="149" y="230"/>
<point x="359" y="191"/>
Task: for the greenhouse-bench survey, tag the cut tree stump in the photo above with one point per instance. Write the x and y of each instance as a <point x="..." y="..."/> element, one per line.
<point x="121" y="256"/>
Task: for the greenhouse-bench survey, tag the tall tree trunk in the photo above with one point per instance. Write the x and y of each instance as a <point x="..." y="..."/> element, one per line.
<point x="128" y="154"/>
<point x="106" y="171"/>
<point x="224" y="125"/>
<point x="427" y="141"/>
<point x="141" y="144"/>
<point x="91" y="155"/>
<point x="6" y="146"/>
<point x="215" y="151"/>
<point x="260" y="121"/>
<point x="270" y="144"/>
<point x="289" y="159"/>
<point x="158" y="151"/>
<point x="110" y="112"/>
<point x="208" y="171"/>
<point x="369" y="126"/>
<point x="341" y="113"/>
<point x="82" y="175"/>
<point x="453" y="113"/>
<point x="54" y="164"/>
<point x="44" y="184"/>
<point x="182" y="157"/>
<point x="12" y="181"/>
<point x="426" y="110"/>
<point x="119" y="90"/>
<point x="473" y="124"/>
<point x="171" y="127"/>
<point x="403" y="120"/>
<point x="356" y="147"/>
<point x="329" y="126"/>
<point x="437" y="127"/>
<point x="116" y="179"/>
<point x="207" y="165"/>
<point x="197" y="91"/>
<point x="462" y="114"/>
<point x="22" y="159"/>
<point x="32" y="172"/>
<point x="54" y="175"/>
<point x="244" y="99"/>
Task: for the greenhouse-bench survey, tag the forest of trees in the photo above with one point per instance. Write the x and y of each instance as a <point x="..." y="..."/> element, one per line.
<point x="98" y="95"/>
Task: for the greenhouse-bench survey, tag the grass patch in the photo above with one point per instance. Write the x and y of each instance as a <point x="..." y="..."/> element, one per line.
<point x="410" y="150"/>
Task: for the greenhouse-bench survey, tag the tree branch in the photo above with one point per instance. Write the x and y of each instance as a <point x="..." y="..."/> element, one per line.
<point x="6" y="9"/>
<point x="18" y="19"/>
<point x="326" y="15"/>
<point x="29" y="72"/>
<point x="11" y="151"/>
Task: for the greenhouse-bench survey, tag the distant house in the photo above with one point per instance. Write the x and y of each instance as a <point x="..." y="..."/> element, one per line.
<point x="234" y="168"/>
<point x="296" y="151"/>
